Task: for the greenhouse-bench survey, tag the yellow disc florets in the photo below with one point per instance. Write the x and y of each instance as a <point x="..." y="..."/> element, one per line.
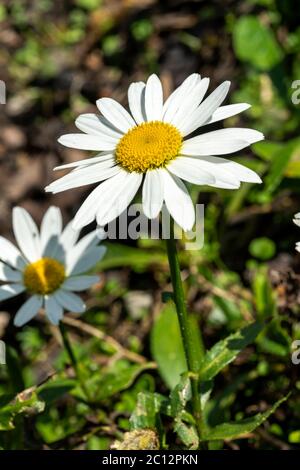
<point x="44" y="276"/>
<point x="148" y="146"/>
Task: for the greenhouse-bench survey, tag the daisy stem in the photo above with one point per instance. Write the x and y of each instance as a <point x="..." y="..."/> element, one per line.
<point x="74" y="362"/>
<point x="190" y="349"/>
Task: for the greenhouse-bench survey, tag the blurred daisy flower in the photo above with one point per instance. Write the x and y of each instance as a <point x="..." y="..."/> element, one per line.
<point x="48" y="265"/>
<point x="296" y="221"/>
<point x="151" y="147"/>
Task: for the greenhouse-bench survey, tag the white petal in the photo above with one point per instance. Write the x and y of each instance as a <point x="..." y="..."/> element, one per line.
<point x="10" y="290"/>
<point x="115" y="114"/>
<point x="153" y="99"/>
<point x="174" y="101"/>
<point x="296" y="219"/>
<point x="26" y="234"/>
<point x="51" y="228"/>
<point x="221" y="142"/>
<point x="87" y="212"/>
<point x="298" y="246"/>
<point x="83" y="176"/>
<point x="28" y="310"/>
<point x="136" y="101"/>
<point x="87" y="142"/>
<point x="76" y="252"/>
<point x="227" y="170"/>
<point x="153" y="194"/>
<point x="11" y="255"/>
<point x="100" y="157"/>
<point x="89" y="260"/>
<point x="9" y="274"/>
<point x="190" y="103"/>
<point x="97" y="125"/>
<point x="79" y="283"/>
<point x="69" y="236"/>
<point x="117" y="194"/>
<point x="223" y="178"/>
<point x="178" y="201"/>
<point x="200" y="115"/>
<point x="227" y="111"/>
<point x="189" y="170"/>
<point x="70" y="301"/>
<point x="54" y="309"/>
<point x="240" y="172"/>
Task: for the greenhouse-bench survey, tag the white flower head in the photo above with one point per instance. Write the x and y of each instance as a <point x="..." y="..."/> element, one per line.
<point x="48" y="265"/>
<point x="151" y="147"/>
<point x="296" y="221"/>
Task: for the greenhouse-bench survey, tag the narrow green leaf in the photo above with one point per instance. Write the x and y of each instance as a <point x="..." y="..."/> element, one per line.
<point x="166" y="346"/>
<point x="119" y="255"/>
<point x="236" y="429"/>
<point x="226" y="350"/>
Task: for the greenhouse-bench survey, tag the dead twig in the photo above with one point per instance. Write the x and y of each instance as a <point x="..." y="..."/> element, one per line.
<point x="92" y="331"/>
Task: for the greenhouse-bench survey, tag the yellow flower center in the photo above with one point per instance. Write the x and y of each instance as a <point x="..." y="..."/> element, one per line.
<point x="148" y="146"/>
<point x="44" y="276"/>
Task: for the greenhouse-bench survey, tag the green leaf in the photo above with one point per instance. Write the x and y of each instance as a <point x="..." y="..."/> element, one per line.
<point x="119" y="255"/>
<point x="146" y="413"/>
<point x="14" y="369"/>
<point x="166" y="346"/>
<point x="180" y="395"/>
<point x="266" y="149"/>
<point x="265" y="300"/>
<point x="109" y="384"/>
<point x="226" y="350"/>
<point x="275" y="339"/>
<point x="55" y="389"/>
<point x="187" y="434"/>
<point x="25" y="403"/>
<point x="236" y="429"/>
<point x="262" y="248"/>
<point x="255" y="43"/>
<point x="280" y="164"/>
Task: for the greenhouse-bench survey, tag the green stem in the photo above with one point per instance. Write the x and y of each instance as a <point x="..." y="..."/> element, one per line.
<point x="73" y="360"/>
<point x="190" y="348"/>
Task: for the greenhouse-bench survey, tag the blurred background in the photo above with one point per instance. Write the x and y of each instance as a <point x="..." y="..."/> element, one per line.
<point x="56" y="59"/>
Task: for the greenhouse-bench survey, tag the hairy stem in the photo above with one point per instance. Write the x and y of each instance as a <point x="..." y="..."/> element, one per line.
<point x="190" y="349"/>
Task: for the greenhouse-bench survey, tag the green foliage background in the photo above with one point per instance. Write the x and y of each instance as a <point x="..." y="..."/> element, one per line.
<point x="57" y="58"/>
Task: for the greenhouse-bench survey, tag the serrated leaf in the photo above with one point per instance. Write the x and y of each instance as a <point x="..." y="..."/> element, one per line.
<point x="226" y="350"/>
<point x="236" y="429"/>
<point x="26" y="403"/>
<point x="166" y="346"/>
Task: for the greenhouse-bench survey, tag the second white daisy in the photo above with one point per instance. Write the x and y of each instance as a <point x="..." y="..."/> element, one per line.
<point x="48" y="265"/>
<point x="150" y="147"/>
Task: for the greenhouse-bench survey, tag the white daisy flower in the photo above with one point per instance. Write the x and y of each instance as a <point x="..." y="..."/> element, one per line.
<point x="296" y="221"/>
<point x="151" y="147"/>
<point x="48" y="265"/>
